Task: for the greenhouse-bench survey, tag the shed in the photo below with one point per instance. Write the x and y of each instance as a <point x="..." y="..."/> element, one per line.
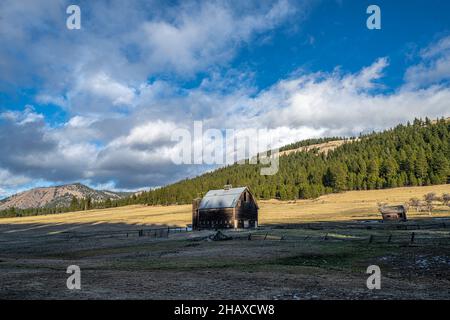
<point x="225" y="208"/>
<point x="397" y="213"/>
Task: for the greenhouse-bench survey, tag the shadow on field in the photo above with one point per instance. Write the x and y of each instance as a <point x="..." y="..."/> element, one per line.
<point x="38" y="238"/>
<point x="307" y="261"/>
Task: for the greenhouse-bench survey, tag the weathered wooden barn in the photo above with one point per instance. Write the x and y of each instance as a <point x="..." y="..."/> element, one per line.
<point x="396" y="213"/>
<point x="225" y="208"/>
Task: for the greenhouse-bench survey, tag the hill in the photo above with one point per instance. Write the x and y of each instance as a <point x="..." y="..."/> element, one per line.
<point x="323" y="147"/>
<point x="415" y="154"/>
<point x="59" y="196"/>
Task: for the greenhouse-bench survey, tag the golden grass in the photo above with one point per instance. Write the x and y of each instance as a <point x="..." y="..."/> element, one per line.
<point x="350" y="205"/>
<point x="135" y="214"/>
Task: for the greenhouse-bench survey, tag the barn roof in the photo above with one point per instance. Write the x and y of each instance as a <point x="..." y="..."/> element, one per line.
<point x="393" y="209"/>
<point x="222" y="198"/>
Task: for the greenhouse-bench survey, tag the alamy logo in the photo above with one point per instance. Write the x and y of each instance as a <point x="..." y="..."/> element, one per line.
<point x="374" y="280"/>
<point x="74" y="20"/>
<point x="74" y="281"/>
<point x="226" y="146"/>
<point x="374" y="20"/>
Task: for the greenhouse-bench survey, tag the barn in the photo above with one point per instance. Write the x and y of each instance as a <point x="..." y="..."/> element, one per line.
<point x="225" y="208"/>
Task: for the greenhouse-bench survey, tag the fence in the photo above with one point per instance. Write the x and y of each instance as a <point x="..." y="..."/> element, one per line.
<point x="410" y="239"/>
<point x="148" y="232"/>
<point x="367" y="226"/>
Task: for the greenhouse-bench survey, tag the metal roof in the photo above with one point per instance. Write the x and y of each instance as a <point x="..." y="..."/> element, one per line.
<point x="222" y="198"/>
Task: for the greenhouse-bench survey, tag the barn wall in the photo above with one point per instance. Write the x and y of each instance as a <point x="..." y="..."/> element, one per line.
<point x="216" y="218"/>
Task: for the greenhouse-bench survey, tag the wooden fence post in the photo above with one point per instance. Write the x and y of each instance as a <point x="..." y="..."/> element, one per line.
<point x="390" y="238"/>
<point x="412" y="237"/>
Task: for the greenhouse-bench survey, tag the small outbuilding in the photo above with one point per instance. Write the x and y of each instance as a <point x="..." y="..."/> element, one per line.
<point x="394" y="213"/>
<point x="225" y="208"/>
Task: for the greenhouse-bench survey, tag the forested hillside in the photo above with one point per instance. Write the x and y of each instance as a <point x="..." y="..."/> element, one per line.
<point x="409" y="155"/>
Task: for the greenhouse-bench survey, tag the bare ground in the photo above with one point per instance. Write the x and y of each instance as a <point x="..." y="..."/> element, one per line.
<point x="34" y="258"/>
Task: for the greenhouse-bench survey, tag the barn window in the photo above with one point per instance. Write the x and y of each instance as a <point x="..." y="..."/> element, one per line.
<point x="245" y="196"/>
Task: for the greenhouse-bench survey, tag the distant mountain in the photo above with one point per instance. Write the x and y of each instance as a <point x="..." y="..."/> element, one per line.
<point x="59" y="196"/>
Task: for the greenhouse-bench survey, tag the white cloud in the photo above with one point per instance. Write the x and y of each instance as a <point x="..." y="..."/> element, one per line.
<point x="434" y="66"/>
<point x="80" y="122"/>
<point x="146" y="135"/>
<point x="27" y="116"/>
<point x="46" y="99"/>
<point x="365" y="79"/>
<point x="345" y="104"/>
<point x="127" y="42"/>
<point x="103" y="86"/>
<point x="206" y="34"/>
<point x="7" y="179"/>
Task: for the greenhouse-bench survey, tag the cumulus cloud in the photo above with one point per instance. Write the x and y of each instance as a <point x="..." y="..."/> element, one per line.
<point x="346" y="104"/>
<point x="206" y="34"/>
<point x="32" y="149"/>
<point x="107" y="60"/>
<point x="46" y="99"/>
<point x="103" y="86"/>
<point x="434" y="67"/>
<point x="9" y="181"/>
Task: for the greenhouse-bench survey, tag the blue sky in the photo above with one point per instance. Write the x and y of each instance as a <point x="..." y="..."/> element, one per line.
<point x="98" y="105"/>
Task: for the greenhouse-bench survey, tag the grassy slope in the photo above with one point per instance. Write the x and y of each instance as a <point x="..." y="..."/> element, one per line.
<point x="334" y="207"/>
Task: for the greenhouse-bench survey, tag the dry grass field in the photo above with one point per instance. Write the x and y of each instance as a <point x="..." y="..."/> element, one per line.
<point x="352" y="205"/>
<point x="293" y="256"/>
<point x="321" y="147"/>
